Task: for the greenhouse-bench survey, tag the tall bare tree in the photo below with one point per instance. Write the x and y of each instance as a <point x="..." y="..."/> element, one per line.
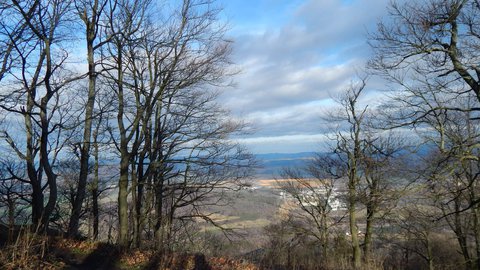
<point x="172" y="136"/>
<point x="127" y="19"/>
<point x="313" y="189"/>
<point x="93" y="14"/>
<point x="429" y="50"/>
<point x="381" y="165"/>
<point x="350" y="143"/>
<point x="444" y="120"/>
<point x="37" y="81"/>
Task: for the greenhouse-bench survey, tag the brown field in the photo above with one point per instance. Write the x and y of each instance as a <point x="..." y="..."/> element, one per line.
<point x="271" y="183"/>
<point x="276" y="183"/>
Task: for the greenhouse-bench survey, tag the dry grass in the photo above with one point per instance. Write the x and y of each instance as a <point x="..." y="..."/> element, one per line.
<point x="29" y="251"/>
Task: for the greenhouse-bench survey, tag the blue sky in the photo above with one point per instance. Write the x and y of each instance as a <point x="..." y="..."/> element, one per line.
<point x="294" y="56"/>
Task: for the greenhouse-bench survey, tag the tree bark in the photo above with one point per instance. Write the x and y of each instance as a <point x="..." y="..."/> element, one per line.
<point x="353" y="226"/>
<point x="95" y="185"/>
<point x="91" y="30"/>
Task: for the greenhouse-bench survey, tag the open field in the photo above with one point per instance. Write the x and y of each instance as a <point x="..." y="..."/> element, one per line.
<point x="277" y="183"/>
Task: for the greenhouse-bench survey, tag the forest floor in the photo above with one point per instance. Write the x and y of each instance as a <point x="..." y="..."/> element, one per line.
<point x="85" y="255"/>
<point x="250" y="211"/>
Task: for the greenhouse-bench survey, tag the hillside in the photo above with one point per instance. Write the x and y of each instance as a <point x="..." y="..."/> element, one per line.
<point x="271" y="164"/>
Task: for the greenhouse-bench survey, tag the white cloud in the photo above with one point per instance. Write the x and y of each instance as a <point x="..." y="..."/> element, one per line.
<point x="287" y="143"/>
<point x="289" y="72"/>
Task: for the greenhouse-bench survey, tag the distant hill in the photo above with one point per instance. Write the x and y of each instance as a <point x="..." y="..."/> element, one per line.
<point x="278" y="156"/>
<point x="273" y="163"/>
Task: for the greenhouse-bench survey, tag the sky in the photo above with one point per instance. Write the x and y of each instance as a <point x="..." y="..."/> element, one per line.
<point x="294" y="56"/>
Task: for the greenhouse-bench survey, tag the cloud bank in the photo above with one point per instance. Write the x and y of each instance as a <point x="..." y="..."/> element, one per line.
<point x="293" y="58"/>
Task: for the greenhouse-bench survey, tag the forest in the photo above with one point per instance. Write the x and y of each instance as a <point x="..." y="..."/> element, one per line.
<point x="117" y="152"/>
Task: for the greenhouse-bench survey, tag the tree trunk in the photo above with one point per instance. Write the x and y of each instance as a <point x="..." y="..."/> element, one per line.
<point x="352" y="198"/>
<point x="37" y="205"/>
<point x="34" y="177"/>
<point x="85" y="150"/>
<point x="429" y="254"/>
<point x="95" y="183"/>
<point x="123" y="201"/>
<point x="44" y="143"/>
<point x="367" y="244"/>
<point x="353" y="227"/>
<point x="139" y="216"/>
<point x="461" y="237"/>
<point x="11" y="218"/>
<point x="51" y="176"/>
<point x="134" y="185"/>
<point x="124" y="154"/>
<point x="476" y="232"/>
<point x="324" y="236"/>
<point x="159" y="214"/>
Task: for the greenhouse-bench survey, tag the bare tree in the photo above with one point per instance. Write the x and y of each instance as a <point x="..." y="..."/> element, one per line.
<point x="13" y="195"/>
<point x="172" y="136"/>
<point x="101" y="141"/>
<point x="313" y="190"/>
<point x="454" y="179"/>
<point x="417" y="224"/>
<point x="92" y="14"/>
<point x="438" y="37"/>
<point x="349" y="149"/>
<point x="382" y="165"/>
<point x="37" y="82"/>
<point x="429" y="49"/>
<point x="369" y="160"/>
<point x="444" y="121"/>
<point x="128" y="20"/>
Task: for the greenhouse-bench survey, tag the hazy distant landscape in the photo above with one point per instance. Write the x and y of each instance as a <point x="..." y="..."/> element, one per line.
<point x="271" y="165"/>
